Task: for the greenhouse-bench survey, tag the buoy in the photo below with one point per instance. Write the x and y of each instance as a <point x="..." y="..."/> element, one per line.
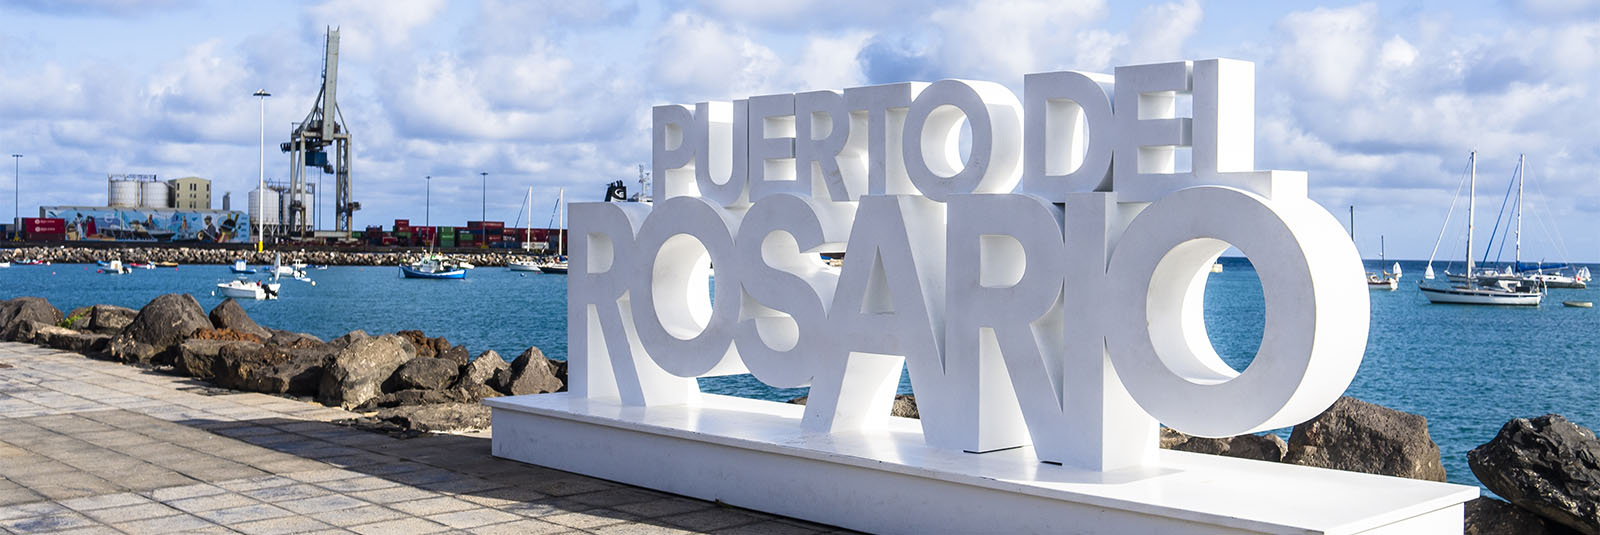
<point x="1579" y="304"/>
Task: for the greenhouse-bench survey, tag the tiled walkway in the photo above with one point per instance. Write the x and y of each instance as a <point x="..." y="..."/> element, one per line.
<point x="95" y="447"/>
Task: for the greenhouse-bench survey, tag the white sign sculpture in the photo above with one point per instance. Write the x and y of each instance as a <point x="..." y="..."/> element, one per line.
<point x="1039" y="275"/>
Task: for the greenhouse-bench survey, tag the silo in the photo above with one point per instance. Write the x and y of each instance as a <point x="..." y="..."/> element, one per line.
<point x="308" y="201"/>
<point x="122" y="193"/>
<point x="269" y="212"/>
<point x="155" y="194"/>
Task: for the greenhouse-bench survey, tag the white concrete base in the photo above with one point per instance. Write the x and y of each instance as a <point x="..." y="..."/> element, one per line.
<point x="753" y="454"/>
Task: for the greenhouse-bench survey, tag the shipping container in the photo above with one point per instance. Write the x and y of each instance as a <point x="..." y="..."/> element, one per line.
<point x="44" y="225"/>
<point x="390" y="240"/>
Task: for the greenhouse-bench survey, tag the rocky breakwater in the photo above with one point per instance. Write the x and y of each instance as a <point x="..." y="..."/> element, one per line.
<point x="403" y="383"/>
<point x="199" y="255"/>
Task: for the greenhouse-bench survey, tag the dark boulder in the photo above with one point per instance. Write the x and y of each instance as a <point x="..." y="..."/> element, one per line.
<point x="1357" y="436"/>
<point x="198" y="358"/>
<point x="345" y="341"/>
<point x="531" y="373"/>
<point x="69" y="340"/>
<point x="15" y="313"/>
<point x="438" y="417"/>
<point x="427" y="347"/>
<point x="423" y="373"/>
<point x="358" y="372"/>
<point x="270" y="369"/>
<point x="225" y="335"/>
<point x="481" y="370"/>
<point x="229" y="315"/>
<point x="1547" y="465"/>
<point x="293" y="340"/>
<point x="417" y="397"/>
<point x="108" y="319"/>
<point x="1268" y="447"/>
<point x="1488" y="516"/>
<point x="26" y="331"/>
<point x="77" y="319"/>
<point x="154" y="334"/>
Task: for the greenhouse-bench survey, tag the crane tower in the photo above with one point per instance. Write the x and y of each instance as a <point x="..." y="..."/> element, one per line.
<point x="309" y="145"/>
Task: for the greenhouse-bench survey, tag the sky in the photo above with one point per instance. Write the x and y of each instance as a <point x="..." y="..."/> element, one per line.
<point x="1380" y="103"/>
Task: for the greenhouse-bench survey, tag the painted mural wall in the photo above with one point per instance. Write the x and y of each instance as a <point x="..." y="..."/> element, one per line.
<point x="149" y="224"/>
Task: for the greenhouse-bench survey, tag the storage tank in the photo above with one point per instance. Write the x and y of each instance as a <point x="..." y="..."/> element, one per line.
<point x="155" y="194"/>
<point x="268" y="213"/>
<point x="122" y="193"/>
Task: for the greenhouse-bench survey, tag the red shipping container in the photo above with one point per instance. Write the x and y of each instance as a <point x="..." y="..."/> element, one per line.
<point x="493" y="238"/>
<point x="44" y="225"/>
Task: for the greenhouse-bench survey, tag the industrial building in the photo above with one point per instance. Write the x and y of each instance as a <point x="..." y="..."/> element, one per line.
<point x="144" y="208"/>
<point x="191" y="193"/>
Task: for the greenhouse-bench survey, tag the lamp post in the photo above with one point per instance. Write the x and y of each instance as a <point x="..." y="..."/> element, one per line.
<point x="427" y="206"/>
<point x="261" y="179"/>
<point x="483" y="209"/>
<point x="16" y="193"/>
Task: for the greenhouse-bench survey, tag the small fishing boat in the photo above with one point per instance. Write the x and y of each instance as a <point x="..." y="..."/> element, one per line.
<point x="115" y="267"/>
<point x="243" y="289"/>
<point x="32" y="262"/>
<point x="434" y="266"/>
<point x="166" y="264"/>
<point x="1579" y="304"/>
<point x="523" y="265"/>
<point x="5" y="264"/>
<point x="240" y="267"/>
<point x="141" y="265"/>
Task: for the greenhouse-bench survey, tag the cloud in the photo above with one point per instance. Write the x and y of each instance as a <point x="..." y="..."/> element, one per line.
<point x="1328" y="50"/>
<point x="366" y="28"/>
<point x="1161" y="30"/>
<point x="1005" y="39"/>
<point x="706" y="59"/>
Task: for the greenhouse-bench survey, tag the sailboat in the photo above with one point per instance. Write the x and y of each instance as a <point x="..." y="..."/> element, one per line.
<point x="1541" y="274"/>
<point x="1377" y="281"/>
<point x="558" y="266"/>
<point x="1473" y="291"/>
<point x="526" y="263"/>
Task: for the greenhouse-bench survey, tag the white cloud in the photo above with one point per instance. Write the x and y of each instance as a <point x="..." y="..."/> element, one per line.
<point x="1160" y="31"/>
<point x="705" y="59"/>
<point x="1328" y="50"/>
<point x="1004" y="39"/>
<point x="368" y="28"/>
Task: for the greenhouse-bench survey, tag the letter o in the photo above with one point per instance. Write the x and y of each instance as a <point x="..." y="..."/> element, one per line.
<point x="931" y="153"/>
<point x="678" y="330"/>
<point x="1316" y="312"/>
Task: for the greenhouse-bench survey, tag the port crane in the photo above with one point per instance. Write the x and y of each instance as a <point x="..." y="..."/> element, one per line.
<point x="309" y="145"/>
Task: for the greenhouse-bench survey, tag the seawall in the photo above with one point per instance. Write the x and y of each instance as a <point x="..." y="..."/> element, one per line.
<point x="211" y="255"/>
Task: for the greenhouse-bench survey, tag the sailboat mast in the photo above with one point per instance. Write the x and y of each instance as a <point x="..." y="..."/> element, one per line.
<point x="561" y="230"/>
<point x="527" y="231"/>
<point x="1522" y="174"/>
<point x="1472" y="195"/>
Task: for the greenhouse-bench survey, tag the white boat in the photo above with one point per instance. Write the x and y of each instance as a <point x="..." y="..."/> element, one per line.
<point x="523" y="265"/>
<point x="1551" y="275"/>
<point x="1473" y="291"/>
<point x="1378" y="281"/>
<point x="115" y="267"/>
<point x="526" y="264"/>
<point x="243" y="289"/>
<point x="558" y="265"/>
<point x="240" y="267"/>
<point x="5" y="264"/>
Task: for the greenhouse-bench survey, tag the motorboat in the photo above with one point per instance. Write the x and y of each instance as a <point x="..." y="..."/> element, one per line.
<point x="240" y="267"/>
<point x="555" y="267"/>
<point x="115" y="267"/>
<point x="434" y="266"/>
<point x="166" y="264"/>
<point x="243" y="289"/>
<point x="5" y="264"/>
<point x="523" y="265"/>
<point x="32" y="262"/>
<point x="141" y="265"/>
<point x="1475" y="291"/>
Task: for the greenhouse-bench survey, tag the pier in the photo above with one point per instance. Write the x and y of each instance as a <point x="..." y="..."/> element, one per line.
<point x="90" y="446"/>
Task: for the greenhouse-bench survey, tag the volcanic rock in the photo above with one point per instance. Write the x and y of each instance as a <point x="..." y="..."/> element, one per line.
<point x="357" y="372"/>
<point x="417" y="397"/>
<point x="345" y="341"/>
<point x="905" y="405"/>
<point x="438" y="417"/>
<point x="227" y="335"/>
<point x="16" y="312"/>
<point x="481" y="370"/>
<point x="1268" y="447"/>
<point x="1547" y="465"/>
<point x="154" y="334"/>
<point x="1358" y="436"/>
<point x="531" y="373"/>
<point x="293" y="340"/>
<point x="198" y="358"/>
<point x="424" y="373"/>
<point x="229" y="315"/>
<point x="107" y="319"/>
<point x="270" y="369"/>
<point x="1488" y="516"/>
<point x="69" y="340"/>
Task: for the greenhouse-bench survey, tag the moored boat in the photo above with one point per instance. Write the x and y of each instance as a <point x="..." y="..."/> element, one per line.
<point x="433" y="266"/>
<point x="240" y="267"/>
<point x="243" y="289"/>
<point x="1472" y="290"/>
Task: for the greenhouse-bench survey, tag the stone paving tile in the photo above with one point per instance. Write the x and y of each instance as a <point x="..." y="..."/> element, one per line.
<point x="245" y="513"/>
<point x="663" y="507"/>
<point x="429" y="506"/>
<point x="211" y="503"/>
<point x="166" y="524"/>
<point x="45" y="523"/>
<point x="187" y="491"/>
<point x="366" y="514"/>
<point x="712" y="519"/>
<point x="472" y="518"/>
<point x="129" y="513"/>
<point x="638" y="528"/>
<point x="589" y="519"/>
<point x="404" y="525"/>
<point x="277" y="526"/>
<point x="521" y="527"/>
<point x="297" y="491"/>
<point x="105" y="501"/>
<point x="322" y="504"/>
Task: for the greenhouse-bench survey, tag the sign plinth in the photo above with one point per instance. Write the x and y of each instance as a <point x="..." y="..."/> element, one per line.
<point x="753" y="454"/>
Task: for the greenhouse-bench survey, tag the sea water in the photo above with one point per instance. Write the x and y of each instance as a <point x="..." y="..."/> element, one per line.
<point x="1467" y="369"/>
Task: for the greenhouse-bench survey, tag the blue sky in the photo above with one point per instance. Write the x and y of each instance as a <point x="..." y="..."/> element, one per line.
<point x="1379" y="102"/>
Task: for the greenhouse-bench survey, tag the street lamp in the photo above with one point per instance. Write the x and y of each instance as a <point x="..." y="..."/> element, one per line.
<point x="261" y="179"/>
<point x="16" y="193"/>
<point x="427" y="206"/>
<point x="483" y="209"/>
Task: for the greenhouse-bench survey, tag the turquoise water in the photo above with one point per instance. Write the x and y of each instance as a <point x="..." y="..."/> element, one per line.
<point x="1468" y="369"/>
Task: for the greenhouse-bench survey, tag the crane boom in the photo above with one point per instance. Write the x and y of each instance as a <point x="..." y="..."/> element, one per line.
<point x="309" y="146"/>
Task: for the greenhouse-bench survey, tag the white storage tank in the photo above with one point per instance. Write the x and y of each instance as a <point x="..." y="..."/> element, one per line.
<point x="155" y="194"/>
<point x="269" y="210"/>
<point x="122" y="193"/>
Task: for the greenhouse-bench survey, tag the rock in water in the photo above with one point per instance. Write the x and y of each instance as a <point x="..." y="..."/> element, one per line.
<point x="1268" y="447"/>
<point x="424" y="373"/>
<point x="15" y="313"/>
<point x="481" y="370"/>
<point x="1358" y="436"/>
<point x="1547" y="465"/>
<point x="357" y="372"/>
<point x="108" y="319"/>
<point x="155" y="333"/>
<point x="229" y="315"/>
<point x="438" y="417"/>
<point x="1488" y="516"/>
<point x="531" y="373"/>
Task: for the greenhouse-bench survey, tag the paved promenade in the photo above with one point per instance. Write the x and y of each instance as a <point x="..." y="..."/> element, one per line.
<point x="89" y="446"/>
